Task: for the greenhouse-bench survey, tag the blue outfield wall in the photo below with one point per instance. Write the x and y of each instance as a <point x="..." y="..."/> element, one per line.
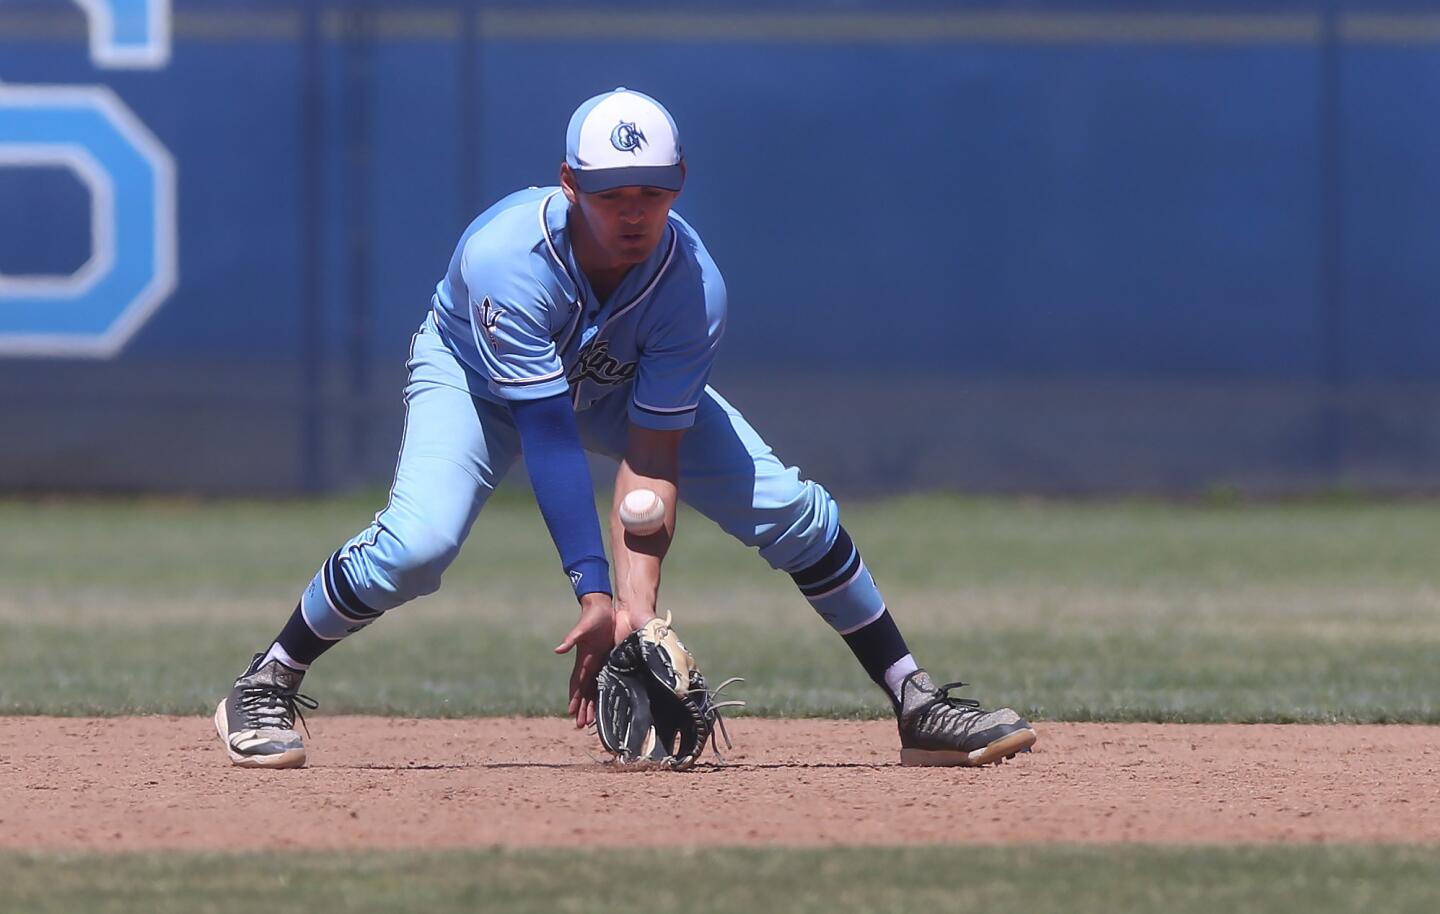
<point x="1039" y="246"/>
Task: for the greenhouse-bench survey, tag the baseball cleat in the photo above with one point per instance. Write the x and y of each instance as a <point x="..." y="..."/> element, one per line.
<point x="257" y="720"/>
<point x="938" y="729"/>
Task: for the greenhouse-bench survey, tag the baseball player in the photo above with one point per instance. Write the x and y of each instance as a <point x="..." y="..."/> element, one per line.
<point x="587" y="317"/>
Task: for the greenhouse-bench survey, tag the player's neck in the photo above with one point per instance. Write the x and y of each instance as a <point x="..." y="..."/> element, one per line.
<point x="604" y="281"/>
<point x="603" y="274"/>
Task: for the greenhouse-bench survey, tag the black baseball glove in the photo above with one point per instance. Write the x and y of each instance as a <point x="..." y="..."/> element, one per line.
<point x="654" y="708"/>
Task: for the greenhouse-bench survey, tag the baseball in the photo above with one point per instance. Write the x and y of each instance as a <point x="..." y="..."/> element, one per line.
<point x="642" y="512"/>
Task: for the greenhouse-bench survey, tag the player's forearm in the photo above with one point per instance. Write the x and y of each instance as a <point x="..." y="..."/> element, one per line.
<point x="638" y="558"/>
<point x="560" y="477"/>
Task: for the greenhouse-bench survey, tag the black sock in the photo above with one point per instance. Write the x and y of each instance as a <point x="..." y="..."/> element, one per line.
<point x="879" y="643"/>
<point x="877" y="646"/>
<point x="303" y="645"/>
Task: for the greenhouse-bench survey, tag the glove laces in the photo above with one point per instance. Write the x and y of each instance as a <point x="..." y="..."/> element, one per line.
<point x="712" y="712"/>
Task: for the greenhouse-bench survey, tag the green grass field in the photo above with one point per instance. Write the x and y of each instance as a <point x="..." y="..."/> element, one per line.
<point x="1099" y="880"/>
<point x="1323" y="611"/>
<point x="1068" y="611"/>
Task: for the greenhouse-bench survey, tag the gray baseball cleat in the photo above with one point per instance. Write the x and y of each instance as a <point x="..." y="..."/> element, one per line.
<point x="257" y="720"/>
<point x="938" y="729"/>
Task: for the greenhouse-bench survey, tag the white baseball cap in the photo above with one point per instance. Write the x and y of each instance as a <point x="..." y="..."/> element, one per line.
<point x="623" y="138"/>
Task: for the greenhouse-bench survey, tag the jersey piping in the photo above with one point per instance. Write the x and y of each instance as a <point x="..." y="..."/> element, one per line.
<point x="580" y="310"/>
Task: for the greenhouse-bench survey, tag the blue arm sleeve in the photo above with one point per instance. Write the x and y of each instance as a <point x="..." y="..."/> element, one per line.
<point x="560" y="476"/>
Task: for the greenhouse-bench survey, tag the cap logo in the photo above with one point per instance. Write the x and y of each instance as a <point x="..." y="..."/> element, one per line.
<point x="626" y="137"/>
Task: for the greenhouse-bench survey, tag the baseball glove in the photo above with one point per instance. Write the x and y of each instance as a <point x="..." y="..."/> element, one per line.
<point x="654" y="708"/>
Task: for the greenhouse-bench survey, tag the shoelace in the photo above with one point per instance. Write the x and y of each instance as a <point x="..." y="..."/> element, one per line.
<point x="267" y="706"/>
<point x="932" y="713"/>
<point x="943" y="694"/>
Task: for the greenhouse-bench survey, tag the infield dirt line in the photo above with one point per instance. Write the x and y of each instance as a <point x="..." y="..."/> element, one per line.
<point x="149" y="783"/>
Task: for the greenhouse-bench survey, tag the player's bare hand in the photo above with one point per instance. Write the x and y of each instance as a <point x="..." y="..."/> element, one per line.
<point x="629" y="618"/>
<point x="591" y="639"/>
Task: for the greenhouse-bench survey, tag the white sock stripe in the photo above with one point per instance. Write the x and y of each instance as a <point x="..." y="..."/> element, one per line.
<point x="839" y="587"/>
<point x="896" y="672"/>
<point x="312" y="629"/>
<point x="332" y="594"/>
<point x="277" y="652"/>
<point x="325" y="589"/>
<point x="855" y="628"/>
<point x="849" y="560"/>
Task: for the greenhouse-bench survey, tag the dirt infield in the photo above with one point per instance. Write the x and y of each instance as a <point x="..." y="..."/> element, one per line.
<point x="157" y="782"/>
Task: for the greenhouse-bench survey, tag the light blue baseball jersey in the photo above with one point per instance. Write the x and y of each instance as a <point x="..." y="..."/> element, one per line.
<point x="518" y="311"/>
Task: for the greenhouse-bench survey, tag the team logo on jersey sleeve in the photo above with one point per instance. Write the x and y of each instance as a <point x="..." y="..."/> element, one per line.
<point x="626" y="137"/>
<point x="490" y="319"/>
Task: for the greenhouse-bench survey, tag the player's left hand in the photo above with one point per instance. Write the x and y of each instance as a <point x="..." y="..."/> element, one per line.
<point x="592" y="639"/>
<point x="654" y="706"/>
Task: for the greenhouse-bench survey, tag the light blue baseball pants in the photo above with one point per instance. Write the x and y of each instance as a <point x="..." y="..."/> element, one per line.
<point x="457" y="447"/>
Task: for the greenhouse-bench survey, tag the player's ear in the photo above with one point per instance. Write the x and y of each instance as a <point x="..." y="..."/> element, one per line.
<point x="567" y="181"/>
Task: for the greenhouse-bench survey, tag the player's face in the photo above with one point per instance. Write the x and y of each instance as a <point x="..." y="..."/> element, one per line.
<point x="626" y="223"/>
